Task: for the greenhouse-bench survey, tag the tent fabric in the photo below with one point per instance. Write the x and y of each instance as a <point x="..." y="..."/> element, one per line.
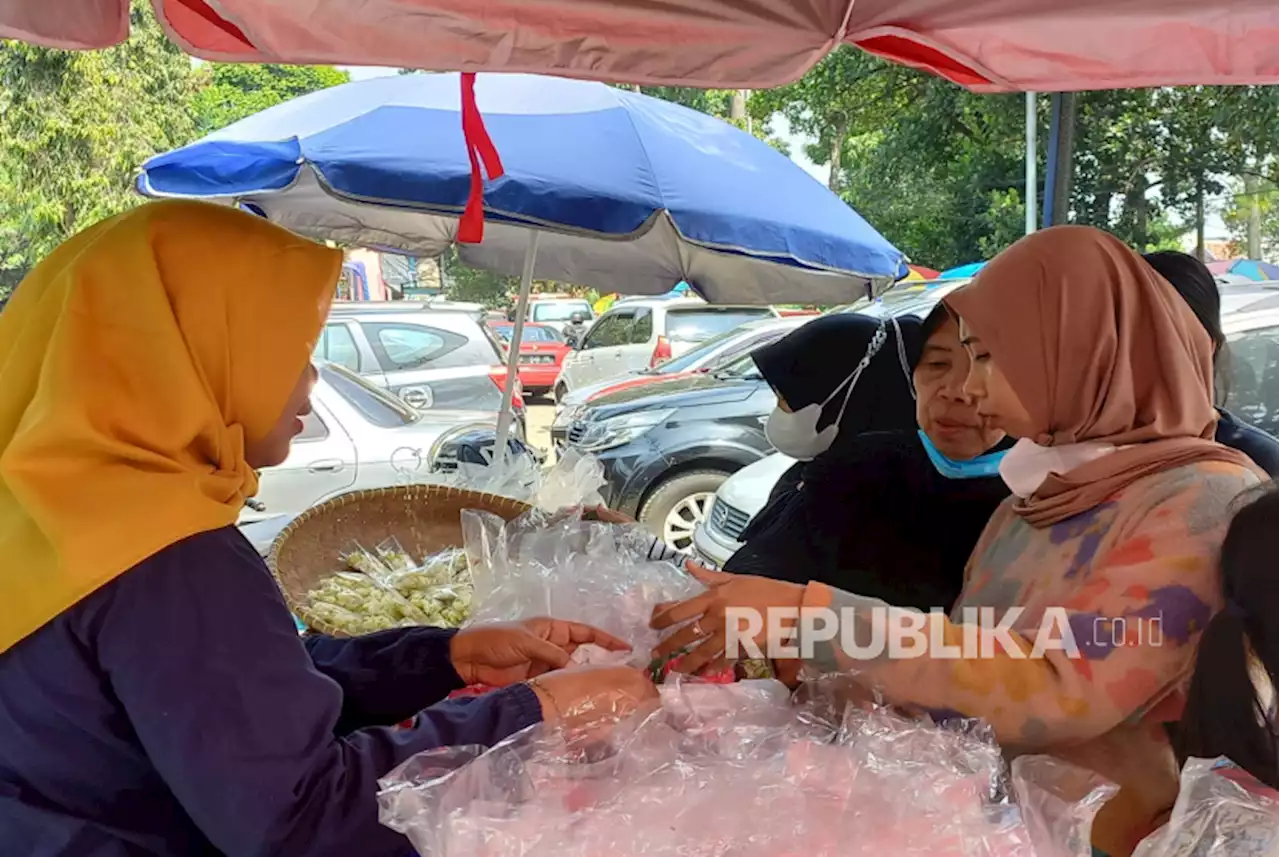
<point x="1254" y="270"/>
<point x="962" y="272"/>
<point x="994" y="45"/>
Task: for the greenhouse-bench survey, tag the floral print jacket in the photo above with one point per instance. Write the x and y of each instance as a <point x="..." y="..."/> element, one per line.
<point x="1134" y="579"/>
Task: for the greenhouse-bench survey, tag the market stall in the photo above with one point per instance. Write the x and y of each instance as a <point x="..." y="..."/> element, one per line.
<point x="749" y="773"/>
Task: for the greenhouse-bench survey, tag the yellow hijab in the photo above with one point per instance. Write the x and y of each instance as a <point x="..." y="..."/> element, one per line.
<point x="134" y="362"/>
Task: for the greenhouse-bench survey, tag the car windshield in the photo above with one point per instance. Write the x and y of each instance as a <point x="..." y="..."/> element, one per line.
<point x="557" y="310"/>
<point x="698" y="324"/>
<point x="373" y="403"/>
<point x="744" y="368"/>
<point x="531" y="333"/>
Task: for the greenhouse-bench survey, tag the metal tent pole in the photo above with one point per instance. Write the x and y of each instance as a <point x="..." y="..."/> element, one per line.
<point x="1051" y="158"/>
<point x="1030" y="193"/>
<point x="513" y="350"/>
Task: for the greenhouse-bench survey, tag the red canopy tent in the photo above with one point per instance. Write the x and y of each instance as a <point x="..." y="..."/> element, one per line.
<point x="1031" y="45"/>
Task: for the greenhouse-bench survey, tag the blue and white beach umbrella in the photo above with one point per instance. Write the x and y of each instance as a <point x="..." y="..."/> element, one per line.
<point x="630" y="194"/>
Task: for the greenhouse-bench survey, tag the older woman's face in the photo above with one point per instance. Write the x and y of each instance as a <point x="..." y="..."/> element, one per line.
<point x="998" y="405"/>
<point x="945" y="412"/>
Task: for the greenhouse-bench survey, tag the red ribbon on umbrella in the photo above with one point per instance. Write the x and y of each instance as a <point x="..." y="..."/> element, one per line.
<point x="480" y="148"/>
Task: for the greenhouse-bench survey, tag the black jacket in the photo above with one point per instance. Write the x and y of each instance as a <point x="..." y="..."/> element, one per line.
<point x="879" y="521"/>
<point x="1253" y="442"/>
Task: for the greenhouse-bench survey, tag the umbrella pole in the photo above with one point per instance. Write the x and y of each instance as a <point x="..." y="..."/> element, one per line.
<point x="513" y="352"/>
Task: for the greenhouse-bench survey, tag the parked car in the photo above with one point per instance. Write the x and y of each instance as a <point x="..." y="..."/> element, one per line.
<point x="639" y="333"/>
<point x="739" y="499"/>
<point x="667" y="446"/>
<point x="542" y="351"/>
<point x="360" y="436"/>
<point x="1250" y="320"/>
<point x="432" y="358"/>
<point x="716" y="353"/>
<point x="555" y="309"/>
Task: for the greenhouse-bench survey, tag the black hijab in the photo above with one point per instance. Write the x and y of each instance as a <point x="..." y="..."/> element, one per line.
<point x="871" y="515"/>
<point x="815" y="360"/>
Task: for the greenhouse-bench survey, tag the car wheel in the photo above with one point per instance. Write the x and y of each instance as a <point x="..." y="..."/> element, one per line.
<point x="559" y="392"/>
<point x="677" y="506"/>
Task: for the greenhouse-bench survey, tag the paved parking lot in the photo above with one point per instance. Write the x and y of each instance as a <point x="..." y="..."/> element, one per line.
<point x="541" y="411"/>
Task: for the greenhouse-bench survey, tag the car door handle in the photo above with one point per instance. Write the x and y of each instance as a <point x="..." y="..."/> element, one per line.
<point x="326" y="465"/>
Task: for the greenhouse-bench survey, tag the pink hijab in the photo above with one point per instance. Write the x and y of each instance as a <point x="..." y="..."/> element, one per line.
<point x="1099" y="347"/>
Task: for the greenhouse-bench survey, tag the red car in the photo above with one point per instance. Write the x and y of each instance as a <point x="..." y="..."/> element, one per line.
<point x="542" y="350"/>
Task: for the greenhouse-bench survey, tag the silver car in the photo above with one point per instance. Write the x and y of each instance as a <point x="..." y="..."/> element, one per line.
<point x="640" y="332"/>
<point x="432" y="355"/>
<point x="718" y="351"/>
<point x="357" y="436"/>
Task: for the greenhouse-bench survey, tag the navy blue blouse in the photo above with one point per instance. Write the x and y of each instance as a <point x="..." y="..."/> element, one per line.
<point x="176" y="712"/>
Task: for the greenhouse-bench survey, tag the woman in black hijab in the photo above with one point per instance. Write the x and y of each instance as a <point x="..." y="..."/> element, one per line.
<point x="893" y="509"/>
<point x="1199" y="289"/>
<point x="836" y="378"/>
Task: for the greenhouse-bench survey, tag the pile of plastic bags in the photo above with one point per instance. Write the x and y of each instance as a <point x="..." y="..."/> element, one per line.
<point x="739" y="770"/>
<point x="1221" y="812"/>
<point x="559" y="564"/>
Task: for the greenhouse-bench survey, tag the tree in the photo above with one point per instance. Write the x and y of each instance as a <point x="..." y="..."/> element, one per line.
<point x="848" y="91"/>
<point x="1254" y="207"/>
<point x="233" y="91"/>
<point x="74" y="126"/>
<point x="462" y="283"/>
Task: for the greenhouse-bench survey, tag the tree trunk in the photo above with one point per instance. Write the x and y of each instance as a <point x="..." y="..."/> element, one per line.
<point x="1066" y="146"/>
<point x="1200" y="252"/>
<point x="738" y="104"/>
<point x="837" y="147"/>
<point x="1254" y="240"/>
<point x="1137" y="204"/>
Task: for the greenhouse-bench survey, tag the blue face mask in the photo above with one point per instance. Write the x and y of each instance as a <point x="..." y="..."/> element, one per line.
<point x="987" y="464"/>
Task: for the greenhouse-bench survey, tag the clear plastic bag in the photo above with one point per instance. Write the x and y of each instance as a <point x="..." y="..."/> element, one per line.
<point x="1221" y="811"/>
<point x="574" y="480"/>
<point x="557" y="564"/>
<point x="739" y="770"/>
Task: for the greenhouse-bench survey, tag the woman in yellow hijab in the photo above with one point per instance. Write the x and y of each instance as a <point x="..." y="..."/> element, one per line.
<point x="154" y="696"/>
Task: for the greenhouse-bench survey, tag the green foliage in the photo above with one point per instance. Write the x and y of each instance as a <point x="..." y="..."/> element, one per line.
<point x="1239" y="208"/>
<point x="940" y="170"/>
<point x="462" y="283"/>
<point x="234" y="91"/>
<point x="75" y="126"/>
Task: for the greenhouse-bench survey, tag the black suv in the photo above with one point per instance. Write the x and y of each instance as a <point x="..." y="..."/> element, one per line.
<point x="667" y="446"/>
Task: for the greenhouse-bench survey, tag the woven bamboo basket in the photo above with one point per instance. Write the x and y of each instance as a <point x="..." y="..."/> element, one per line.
<point x="425" y="519"/>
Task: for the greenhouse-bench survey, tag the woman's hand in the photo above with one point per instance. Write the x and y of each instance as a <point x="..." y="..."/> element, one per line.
<point x="585" y="698"/>
<point x="509" y="652"/>
<point x="707" y="620"/>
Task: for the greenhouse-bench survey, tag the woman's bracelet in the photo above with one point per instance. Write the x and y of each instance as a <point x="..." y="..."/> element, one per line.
<point x="540" y="689"/>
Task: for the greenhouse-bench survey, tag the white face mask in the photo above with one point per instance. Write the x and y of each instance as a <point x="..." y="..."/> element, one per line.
<point x="796" y="434"/>
<point x="1025" y="466"/>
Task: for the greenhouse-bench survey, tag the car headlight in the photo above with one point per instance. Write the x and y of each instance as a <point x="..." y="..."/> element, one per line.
<point x="607" y="434"/>
<point x="567" y="415"/>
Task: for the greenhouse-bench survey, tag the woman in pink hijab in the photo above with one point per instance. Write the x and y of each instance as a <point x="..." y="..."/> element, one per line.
<point x="1102" y="564"/>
